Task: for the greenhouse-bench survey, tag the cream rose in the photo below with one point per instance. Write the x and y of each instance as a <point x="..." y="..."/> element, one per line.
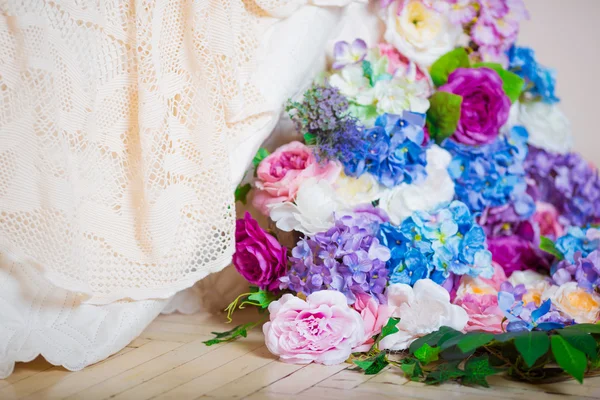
<point x="403" y="200"/>
<point x="535" y="283"/>
<point x="420" y="33"/>
<point x="547" y="126"/>
<point x="582" y="306"/>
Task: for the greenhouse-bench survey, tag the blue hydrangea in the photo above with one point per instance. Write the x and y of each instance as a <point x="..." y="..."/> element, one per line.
<point x="435" y="245"/>
<point x="540" y="81"/>
<point x="576" y="239"/>
<point x="492" y="175"/>
<point x="392" y="150"/>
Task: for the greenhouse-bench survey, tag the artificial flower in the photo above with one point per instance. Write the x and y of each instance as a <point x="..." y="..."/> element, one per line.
<point x="485" y="107"/>
<point x="396" y="95"/>
<point x="479" y="286"/>
<point x="483" y="311"/>
<point x="374" y="315"/>
<point x="398" y="65"/>
<point x="576" y="302"/>
<point x="584" y="270"/>
<point x="258" y="256"/>
<point x="345" y="53"/>
<point x="321" y="329"/>
<point x="420" y="33"/>
<point x="547" y="218"/>
<point x="352" y="191"/>
<point x="422" y="309"/>
<point x="459" y="12"/>
<point x="578" y="240"/>
<point x="437" y="188"/>
<point x="534" y="283"/>
<point x="547" y="127"/>
<point x="350" y="81"/>
<point x="540" y="81"/>
<point x="279" y="175"/>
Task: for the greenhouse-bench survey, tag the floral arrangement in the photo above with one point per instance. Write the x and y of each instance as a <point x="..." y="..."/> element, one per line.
<point x="431" y="216"/>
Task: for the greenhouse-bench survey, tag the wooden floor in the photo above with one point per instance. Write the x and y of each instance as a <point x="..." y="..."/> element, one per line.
<point x="169" y="361"/>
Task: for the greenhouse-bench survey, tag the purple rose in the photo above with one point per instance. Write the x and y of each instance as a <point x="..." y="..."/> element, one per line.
<point x="258" y="257"/>
<point x="484" y="108"/>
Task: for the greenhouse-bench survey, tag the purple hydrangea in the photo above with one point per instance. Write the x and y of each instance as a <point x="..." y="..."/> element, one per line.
<point x="584" y="270"/>
<point x="348" y="258"/>
<point x="568" y="182"/>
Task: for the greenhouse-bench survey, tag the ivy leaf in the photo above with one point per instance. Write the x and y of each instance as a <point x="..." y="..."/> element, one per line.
<point x="261" y="298"/>
<point x="477" y="369"/>
<point x="581" y="341"/>
<point x="473" y="340"/>
<point x="532" y="346"/>
<point x="231" y="335"/>
<point x="548" y="246"/>
<point x="411" y="368"/>
<point x="512" y="83"/>
<point x="443" y="115"/>
<point x="432" y="339"/>
<point x="444" y="373"/>
<point x="310" y="139"/>
<point x="241" y="192"/>
<point x="427" y="354"/>
<point x="261" y="154"/>
<point x="373" y="365"/>
<point x="389" y="328"/>
<point x="446" y="64"/>
<point x="569" y="358"/>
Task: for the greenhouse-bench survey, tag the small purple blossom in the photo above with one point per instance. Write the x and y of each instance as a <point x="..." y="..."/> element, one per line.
<point x="345" y="53"/>
<point x="584" y="270"/>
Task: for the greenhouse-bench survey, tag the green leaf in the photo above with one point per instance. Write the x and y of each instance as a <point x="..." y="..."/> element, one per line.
<point x="507" y="336"/>
<point x="450" y="339"/>
<point x="473" y="340"/>
<point x="373" y="365"/>
<point x="261" y="154"/>
<point x="569" y="358"/>
<point x="364" y="113"/>
<point x="241" y="192"/>
<point x="581" y="341"/>
<point x="512" y="83"/>
<point x="477" y="369"/>
<point x="367" y="71"/>
<point x="587" y="328"/>
<point x="231" y="335"/>
<point x="446" y="64"/>
<point x="432" y="339"/>
<point x="443" y="115"/>
<point x="261" y="298"/>
<point x="532" y="346"/>
<point x="389" y="328"/>
<point x="548" y="246"/>
<point x="444" y="373"/>
<point x="427" y="354"/>
<point x="310" y="139"/>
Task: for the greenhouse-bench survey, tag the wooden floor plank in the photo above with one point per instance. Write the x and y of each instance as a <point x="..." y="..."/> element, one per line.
<point x="304" y="378"/>
<point x="25" y="370"/>
<point x="346" y="380"/>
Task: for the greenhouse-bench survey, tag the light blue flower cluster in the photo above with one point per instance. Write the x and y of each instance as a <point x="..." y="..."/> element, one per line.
<point x="540" y="81"/>
<point x="435" y="245"/>
<point x="576" y="239"/>
<point x="492" y="175"/>
<point x="392" y="150"/>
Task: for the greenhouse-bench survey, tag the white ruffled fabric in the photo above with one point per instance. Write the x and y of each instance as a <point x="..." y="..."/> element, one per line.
<point x="125" y="127"/>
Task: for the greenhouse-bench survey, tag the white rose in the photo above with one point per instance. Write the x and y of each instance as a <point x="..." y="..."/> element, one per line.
<point x="312" y="212"/>
<point x="354" y="191"/>
<point x="422" y="309"/>
<point x="438" y="188"/>
<point x="547" y="126"/>
<point x="420" y="33"/>
<point x="575" y="302"/>
<point x="535" y="283"/>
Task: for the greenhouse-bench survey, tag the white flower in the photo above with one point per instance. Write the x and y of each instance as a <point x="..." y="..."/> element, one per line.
<point x="351" y="81"/>
<point x="535" y="283"/>
<point x="547" y="126"/>
<point x="422" y="309"/>
<point x="352" y="191"/>
<point x="575" y="302"/>
<point x="312" y="212"/>
<point x="438" y="188"/>
<point x="420" y="33"/>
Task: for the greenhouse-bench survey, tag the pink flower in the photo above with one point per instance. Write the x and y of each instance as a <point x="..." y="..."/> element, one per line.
<point x="497" y="279"/>
<point x="483" y="311"/>
<point x="280" y="174"/>
<point x="374" y="316"/>
<point x="546" y="216"/>
<point x="397" y="63"/>
<point x="322" y="329"/>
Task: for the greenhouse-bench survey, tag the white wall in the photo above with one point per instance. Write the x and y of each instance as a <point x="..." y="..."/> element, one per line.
<point x="566" y="36"/>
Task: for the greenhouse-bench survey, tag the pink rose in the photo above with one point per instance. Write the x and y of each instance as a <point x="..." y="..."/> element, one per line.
<point x="483" y="311"/>
<point x="374" y="316"/>
<point x="497" y="279"/>
<point x="322" y="329"/>
<point x="546" y="216"/>
<point x="280" y="174"/>
<point x="397" y="62"/>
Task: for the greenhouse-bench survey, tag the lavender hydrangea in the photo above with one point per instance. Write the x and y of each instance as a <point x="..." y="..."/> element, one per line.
<point x="584" y="270"/>
<point x="392" y="151"/>
<point x="492" y="175"/>
<point x="444" y="243"/>
<point x="568" y="182"/>
<point x="348" y="258"/>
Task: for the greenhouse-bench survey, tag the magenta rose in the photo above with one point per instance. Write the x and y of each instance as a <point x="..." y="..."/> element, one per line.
<point x="258" y="257"/>
<point x="321" y="329"/>
<point x="484" y="108"/>
<point x="279" y="175"/>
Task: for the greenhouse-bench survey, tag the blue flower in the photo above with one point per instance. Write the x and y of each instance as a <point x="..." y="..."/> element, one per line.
<point x="540" y="81"/>
<point x="576" y="239"/>
<point x="529" y="317"/>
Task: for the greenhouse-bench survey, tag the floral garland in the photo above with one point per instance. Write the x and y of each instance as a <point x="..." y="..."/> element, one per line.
<point x="440" y="222"/>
